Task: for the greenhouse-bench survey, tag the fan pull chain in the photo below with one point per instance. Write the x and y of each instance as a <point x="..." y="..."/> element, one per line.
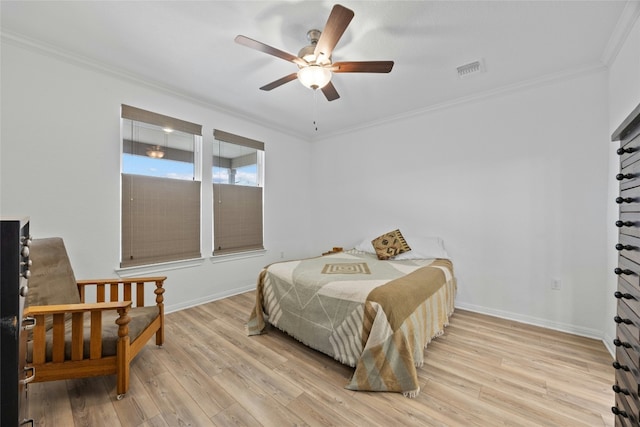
<point x="315" y="109"/>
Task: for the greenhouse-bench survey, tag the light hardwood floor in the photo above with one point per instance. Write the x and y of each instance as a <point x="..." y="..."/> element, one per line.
<point x="483" y="371"/>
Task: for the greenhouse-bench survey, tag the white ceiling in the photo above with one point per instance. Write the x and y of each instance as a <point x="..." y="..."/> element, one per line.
<point x="187" y="47"/>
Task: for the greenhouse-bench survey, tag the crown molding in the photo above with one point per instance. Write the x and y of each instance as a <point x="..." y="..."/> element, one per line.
<point x="91" y="64"/>
<point x="627" y="20"/>
<point x="481" y="96"/>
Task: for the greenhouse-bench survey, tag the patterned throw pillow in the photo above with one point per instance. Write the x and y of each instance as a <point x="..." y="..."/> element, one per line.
<point x="390" y="244"/>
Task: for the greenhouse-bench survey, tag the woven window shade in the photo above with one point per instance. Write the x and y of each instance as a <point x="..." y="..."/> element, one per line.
<point x="221" y="135"/>
<point x="237" y="212"/>
<point x="160" y="220"/>
<point x="145" y="116"/>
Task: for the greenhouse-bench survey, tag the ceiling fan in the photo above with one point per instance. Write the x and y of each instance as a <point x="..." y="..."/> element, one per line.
<point x="314" y="61"/>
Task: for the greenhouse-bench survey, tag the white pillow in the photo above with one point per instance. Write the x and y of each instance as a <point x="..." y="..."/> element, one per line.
<point x="423" y="248"/>
<point x="365" y="246"/>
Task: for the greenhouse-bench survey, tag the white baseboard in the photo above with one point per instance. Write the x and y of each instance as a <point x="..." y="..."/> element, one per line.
<point x="608" y="342"/>
<point x="535" y="321"/>
<point x="209" y="298"/>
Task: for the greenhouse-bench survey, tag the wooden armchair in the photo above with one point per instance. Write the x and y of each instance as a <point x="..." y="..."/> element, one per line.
<point x="75" y="339"/>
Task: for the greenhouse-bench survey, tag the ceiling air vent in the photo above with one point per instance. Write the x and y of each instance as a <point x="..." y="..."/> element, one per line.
<point x="470" y="69"/>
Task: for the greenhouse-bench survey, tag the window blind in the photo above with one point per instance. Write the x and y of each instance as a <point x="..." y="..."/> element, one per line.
<point x="145" y="116"/>
<point x="221" y="135"/>
<point x="160" y="220"/>
<point x="237" y="212"/>
<point x="237" y="209"/>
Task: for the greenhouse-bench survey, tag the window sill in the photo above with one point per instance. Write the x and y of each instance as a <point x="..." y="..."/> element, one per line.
<point x="237" y="255"/>
<point x="151" y="269"/>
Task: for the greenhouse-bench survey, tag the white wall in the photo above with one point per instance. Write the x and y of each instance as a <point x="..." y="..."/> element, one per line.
<point x="60" y="165"/>
<point x="624" y="96"/>
<point x="624" y="77"/>
<point x="514" y="183"/>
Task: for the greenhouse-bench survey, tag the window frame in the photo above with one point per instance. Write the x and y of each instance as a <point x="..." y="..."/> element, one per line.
<point x="148" y="237"/>
<point x="233" y="217"/>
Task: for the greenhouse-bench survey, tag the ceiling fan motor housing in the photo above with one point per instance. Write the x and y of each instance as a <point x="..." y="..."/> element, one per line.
<point x="313" y="36"/>
<point x="308" y="52"/>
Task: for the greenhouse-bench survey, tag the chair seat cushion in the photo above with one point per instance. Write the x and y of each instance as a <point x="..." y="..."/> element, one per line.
<point x="52" y="280"/>
<point x="141" y="317"/>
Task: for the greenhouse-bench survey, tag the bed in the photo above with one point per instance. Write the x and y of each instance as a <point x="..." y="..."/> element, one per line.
<point x="376" y="315"/>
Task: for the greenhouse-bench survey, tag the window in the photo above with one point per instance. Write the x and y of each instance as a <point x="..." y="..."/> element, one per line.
<point x="237" y="174"/>
<point x="160" y="188"/>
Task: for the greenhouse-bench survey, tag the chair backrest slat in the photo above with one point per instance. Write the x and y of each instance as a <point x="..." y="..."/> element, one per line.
<point x="77" y="338"/>
<point x="58" y="338"/>
<point x="95" y="347"/>
<point x="140" y="294"/>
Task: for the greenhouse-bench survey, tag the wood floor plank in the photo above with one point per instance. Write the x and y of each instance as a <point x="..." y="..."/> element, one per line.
<point x="253" y="346"/>
<point x="49" y="404"/>
<point x="484" y="371"/>
<point x="139" y="407"/>
<point x="196" y="380"/>
<point x="178" y="408"/>
<point x="265" y="377"/>
<point x="443" y="373"/>
<point x="88" y="405"/>
<point x="258" y="404"/>
<point x="318" y="414"/>
<point x="421" y="411"/>
<point x="232" y="308"/>
<point x="526" y="349"/>
<point x="157" y="421"/>
<point x="538" y="409"/>
<point x="473" y="412"/>
<point x="234" y="416"/>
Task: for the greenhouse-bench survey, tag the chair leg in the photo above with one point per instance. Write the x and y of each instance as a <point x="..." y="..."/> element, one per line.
<point x="123" y="353"/>
<point x="160" y="302"/>
<point x="122" y="380"/>
<point x="160" y="336"/>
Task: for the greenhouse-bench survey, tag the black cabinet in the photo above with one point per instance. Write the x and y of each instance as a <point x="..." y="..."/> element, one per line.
<point x="627" y="318"/>
<point x="14" y="275"/>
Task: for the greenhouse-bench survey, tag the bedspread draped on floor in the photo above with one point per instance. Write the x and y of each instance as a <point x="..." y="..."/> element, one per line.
<point x="377" y="318"/>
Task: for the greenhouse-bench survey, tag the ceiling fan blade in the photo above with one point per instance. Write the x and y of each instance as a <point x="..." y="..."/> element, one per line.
<point x="362" y="67"/>
<point x="254" y="44"/>
<point x="330" y="92"/>
<point x="336" y="25"/>
<point x="280" y="82"/>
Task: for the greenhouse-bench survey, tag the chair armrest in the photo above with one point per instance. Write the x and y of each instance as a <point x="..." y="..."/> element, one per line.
<point x="121" y="280"/>
<point x="77" y="311"/>
<point x="128" y="284"/>
<point x="74" y="308"/>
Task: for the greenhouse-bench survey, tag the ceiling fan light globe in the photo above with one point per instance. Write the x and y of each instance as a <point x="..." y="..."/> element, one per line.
<point x="314" y="76"/>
